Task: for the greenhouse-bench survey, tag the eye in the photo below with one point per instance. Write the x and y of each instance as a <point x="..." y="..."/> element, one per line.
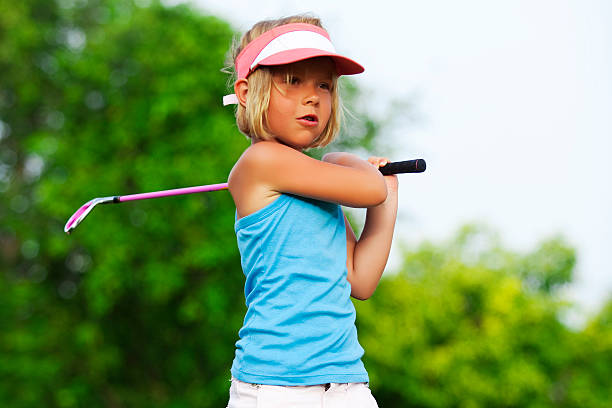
<point x="325" y="85"/>
<point x="292" y="80"/>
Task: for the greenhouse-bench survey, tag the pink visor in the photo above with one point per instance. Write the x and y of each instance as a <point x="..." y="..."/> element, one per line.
<point x="287" y="44"/>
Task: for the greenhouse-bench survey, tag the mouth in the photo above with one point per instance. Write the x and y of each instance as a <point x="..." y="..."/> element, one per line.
<point x="309" y="120"/>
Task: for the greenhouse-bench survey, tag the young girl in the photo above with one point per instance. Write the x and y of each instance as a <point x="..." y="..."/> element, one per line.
<point x="298" y="345"/>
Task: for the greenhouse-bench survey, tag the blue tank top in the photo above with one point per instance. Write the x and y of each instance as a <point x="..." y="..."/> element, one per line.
<point x="299" y="327"/>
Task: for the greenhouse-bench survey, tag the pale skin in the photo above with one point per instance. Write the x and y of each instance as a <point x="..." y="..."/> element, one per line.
<point x="298" y="113"/>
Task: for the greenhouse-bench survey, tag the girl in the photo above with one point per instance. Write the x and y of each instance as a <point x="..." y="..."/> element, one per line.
<point x="298" y="345"/>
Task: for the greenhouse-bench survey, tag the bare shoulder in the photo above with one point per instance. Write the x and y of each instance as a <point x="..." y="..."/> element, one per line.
<point x="261" y="159"/>
<point x="250" y="164"/>
<point x="260" y="153"/>
<point x="248" y="189"/>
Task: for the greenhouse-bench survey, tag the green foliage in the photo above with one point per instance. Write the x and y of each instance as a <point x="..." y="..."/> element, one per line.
<point x="463" y="325"/>
<point x="131" y="309"/>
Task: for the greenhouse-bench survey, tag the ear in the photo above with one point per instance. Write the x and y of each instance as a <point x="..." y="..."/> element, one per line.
<point x="241" y="88"/>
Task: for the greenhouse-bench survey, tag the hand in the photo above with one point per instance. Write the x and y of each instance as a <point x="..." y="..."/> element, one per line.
<point x="391" y="180"/>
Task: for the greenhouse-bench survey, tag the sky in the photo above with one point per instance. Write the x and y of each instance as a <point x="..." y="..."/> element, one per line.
<point x="512" y="109"/>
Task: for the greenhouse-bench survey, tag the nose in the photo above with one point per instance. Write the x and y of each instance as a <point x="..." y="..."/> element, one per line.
<point x="311" y="96"/>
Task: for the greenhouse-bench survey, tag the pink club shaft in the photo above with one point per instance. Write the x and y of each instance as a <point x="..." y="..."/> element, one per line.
<point x="86" y="208"/>
<point x="176" y="191"/>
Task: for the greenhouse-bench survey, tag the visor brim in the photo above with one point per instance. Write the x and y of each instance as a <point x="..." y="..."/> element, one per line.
<point x="344" y="65"/>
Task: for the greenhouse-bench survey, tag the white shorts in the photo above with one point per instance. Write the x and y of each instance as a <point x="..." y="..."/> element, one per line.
<point x="333" y="395"/>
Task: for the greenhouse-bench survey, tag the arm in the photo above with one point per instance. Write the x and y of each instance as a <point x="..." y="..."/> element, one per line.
<point x="346" y="159"/>
<point x="351" y="182"/>
<point x="366" y="258"/>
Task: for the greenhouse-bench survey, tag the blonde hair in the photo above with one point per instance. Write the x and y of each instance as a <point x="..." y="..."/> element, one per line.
<point x="251" y="120"/>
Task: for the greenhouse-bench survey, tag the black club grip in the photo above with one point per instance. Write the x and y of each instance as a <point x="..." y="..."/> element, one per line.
<point x="408" y="166"/>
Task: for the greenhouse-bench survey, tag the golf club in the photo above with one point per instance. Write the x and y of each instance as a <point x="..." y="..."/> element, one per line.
<point x="408" y="166"/>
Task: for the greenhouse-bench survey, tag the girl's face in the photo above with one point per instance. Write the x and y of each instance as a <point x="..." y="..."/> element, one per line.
<point x="300" y="101"/>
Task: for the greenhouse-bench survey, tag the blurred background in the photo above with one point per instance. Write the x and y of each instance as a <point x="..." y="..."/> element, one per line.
<point x="498" y="289"/>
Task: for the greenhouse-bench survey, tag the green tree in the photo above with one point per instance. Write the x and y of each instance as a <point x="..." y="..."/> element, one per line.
<point x="586" y="382"/>
<point x="134" y="309"/>
<point x="469" y="324"/>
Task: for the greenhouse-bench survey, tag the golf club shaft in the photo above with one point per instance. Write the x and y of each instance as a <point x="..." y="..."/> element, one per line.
<point x="409" y="166"/>
<point x="176" y="191"/>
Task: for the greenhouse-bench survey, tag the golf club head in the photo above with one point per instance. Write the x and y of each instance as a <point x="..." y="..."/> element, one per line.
<point x="82" y="212"/>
